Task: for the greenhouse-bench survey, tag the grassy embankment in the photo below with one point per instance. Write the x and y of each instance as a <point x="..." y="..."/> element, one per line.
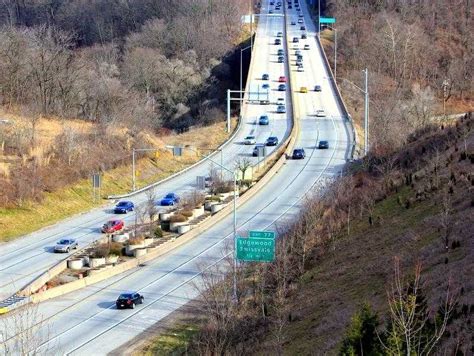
<point x="77" y="197"/>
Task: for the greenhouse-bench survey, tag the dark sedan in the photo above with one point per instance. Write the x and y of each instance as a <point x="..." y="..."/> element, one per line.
<point x="323" y="145"/>
<point x="298" y="153"/>
<point x="129" y="300"/>
<point x="272" y="141"/>
<point x="124" y="207"/>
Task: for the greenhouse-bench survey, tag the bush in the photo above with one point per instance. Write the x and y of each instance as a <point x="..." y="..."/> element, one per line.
<point x="116" y="248"/>
<point x="178" y="218"/>
<point x="101" y="251"/>
<point x="214" y="198"/>
<point x="186" y="213"/>
<point x="158" y="232"/>
<point x="165" y="226"/>
<point x="136" y="240"/>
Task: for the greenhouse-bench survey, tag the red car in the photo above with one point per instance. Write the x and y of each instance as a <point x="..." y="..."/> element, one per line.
<point x="112" y="226"/>
<point x="282" y="79"/>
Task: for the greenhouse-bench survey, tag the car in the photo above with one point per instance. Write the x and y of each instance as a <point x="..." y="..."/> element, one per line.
<point x="297" y="52"/>
<point x="303" y="28"/>
<point x="250" y="140"/>
<point x="317" y="88"/>
<point x="298" y="153"/>
<point x="256" y="149"/>
<point x="282" y="79"/>
<point x="65" y="245"/>
<point x="170" y="199"/>
<point x="296" y="39"/>
<point x="306" y="46"/>
<point x="266" y="86"/>
<point x="272" y="3"/>
<point x="293" y="23"/>
<point x="277" y="41"/>
<point x="320" y="113"/>
<point x="323" y="145"/>
<point x="281" y="101"/>
<point x="299" y="57"/>
<point x="280" y="34"/>
<point x="300" y="15"/>
<point x="208" y="182"/>
<point x="304" y="36"/>
<point x="300" y="68"/>
<point x="123" y="207"/>
<point x="272" y="141"/>
<point x="300" y="20"/>
<point x="263" y="120"/>
<point x="303" y="90"/>
<point x="265" y="76"/>
<point x="299" y="62"/>
<point x="281" y="109"/>
<point x="112" y="226"/>
<point x="280" y="52"/>
<point x="129" y="300"/>
<point x="281" y="59"/>
<point x="270" y="12"/>
<point x="282" y="87"/>
<point x="290" y="7"/>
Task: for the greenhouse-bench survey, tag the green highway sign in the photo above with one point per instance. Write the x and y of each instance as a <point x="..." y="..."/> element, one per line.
<point x="263" y="234"/>
<point x="254" y="249"/>
<point x="327" y="20"/>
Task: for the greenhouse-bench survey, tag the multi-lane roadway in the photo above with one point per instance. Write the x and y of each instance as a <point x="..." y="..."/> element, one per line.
<point x="86" y="322"/>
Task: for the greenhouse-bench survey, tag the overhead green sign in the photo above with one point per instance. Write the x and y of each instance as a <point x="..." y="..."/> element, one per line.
<point x="255" y="249"/>
<point x="263" y="234"/>
<point x="327" y="20"/>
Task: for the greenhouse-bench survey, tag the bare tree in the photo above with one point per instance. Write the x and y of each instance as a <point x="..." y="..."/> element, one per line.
<point x="446" y="218"/>
<point x="408" y="332"/>
<point x="242" y="165"/>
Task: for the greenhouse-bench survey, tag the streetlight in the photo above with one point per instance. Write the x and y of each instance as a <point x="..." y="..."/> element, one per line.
<point x="366" y="109"/>
<point x="178" y="153"/>
<point x="241" y="81"/>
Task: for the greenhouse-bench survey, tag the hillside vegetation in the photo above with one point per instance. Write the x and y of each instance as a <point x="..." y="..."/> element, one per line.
<point x="128" y="71"/>
<point x="393" y="237"/>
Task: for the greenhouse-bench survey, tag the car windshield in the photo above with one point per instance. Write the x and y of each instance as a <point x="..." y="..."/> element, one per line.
<point x="122" y="203"/>
<point x="64" y="242"/>
<point x="125" y="296"/>
<point x="169" y="196"/>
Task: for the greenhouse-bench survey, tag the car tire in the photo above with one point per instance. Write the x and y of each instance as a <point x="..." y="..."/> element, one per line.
<point x="133" y="306"/>
<point x="67" y="250"/>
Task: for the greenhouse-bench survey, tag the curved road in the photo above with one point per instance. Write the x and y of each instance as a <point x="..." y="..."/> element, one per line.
<point x="24" y="259"/>
<point x="86" y="322"/>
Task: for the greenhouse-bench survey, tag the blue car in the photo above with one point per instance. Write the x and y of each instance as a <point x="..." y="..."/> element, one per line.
<point x="170" y="199"/>
<point x="263" y="120"/>
<point x="124" y="207"/>
<point x="266" y="86"/>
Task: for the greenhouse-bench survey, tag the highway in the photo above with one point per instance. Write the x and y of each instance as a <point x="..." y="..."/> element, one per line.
<point x="86" y="322"/>
<point x="24" y="259"/>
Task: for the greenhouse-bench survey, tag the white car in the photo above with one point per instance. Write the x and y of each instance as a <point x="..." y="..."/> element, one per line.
<point x="320" y="113"/>
<point x="250" y="140"/>
<point x="281" y="101"/>
<point x="300" y="68"/>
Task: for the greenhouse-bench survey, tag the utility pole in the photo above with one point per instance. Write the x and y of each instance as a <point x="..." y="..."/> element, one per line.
<point x="445" y="89"/>
<point x="335" y="54"/>
<point x="366" y="113"/>
<point x="133" y="170"/>
<point x="228" y="110"/>
<point x="251" y="26"/>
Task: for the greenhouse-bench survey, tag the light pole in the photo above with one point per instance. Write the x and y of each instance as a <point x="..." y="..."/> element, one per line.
<point x="241" y="79"/>
<point x="234" y="288"/>
<point x="319" y="18"/>
<point x="366" y="109"/>
<point x="133" y="163"/>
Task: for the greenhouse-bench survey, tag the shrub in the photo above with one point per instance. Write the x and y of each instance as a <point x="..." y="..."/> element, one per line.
<point x="214" y="198"/>
<point x="100" y="251"/>
<point x="186" y="213"/>
<point x="165" y="225"/>
<point x="136" y="240"/>
<point x="116" y="248"/>
<point x="178" y="218"/>
<point x="158" y="232"/>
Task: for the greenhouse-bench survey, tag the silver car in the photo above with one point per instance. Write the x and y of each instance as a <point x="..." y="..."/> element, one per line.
<point x="250" y="140"/>
<point x="65" y="245"/>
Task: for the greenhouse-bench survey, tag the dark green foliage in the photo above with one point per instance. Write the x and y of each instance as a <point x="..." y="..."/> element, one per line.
<point x="158" y="232"/>
<point x="361" y="337"/>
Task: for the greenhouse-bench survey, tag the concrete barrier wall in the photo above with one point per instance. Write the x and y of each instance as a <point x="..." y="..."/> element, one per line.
<point x="45" y="277"/>
<point x="340" y="100"/>
<point x="286" y="148"/>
